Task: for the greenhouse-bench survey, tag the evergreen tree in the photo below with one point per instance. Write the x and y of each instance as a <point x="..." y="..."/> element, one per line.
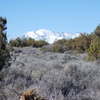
<point x="3" y="38"/>
<point x="97" y="31"/>
<point x="4" y="53"/>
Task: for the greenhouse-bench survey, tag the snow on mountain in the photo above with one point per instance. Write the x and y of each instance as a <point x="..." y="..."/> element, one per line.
<point x="49" y="36"/>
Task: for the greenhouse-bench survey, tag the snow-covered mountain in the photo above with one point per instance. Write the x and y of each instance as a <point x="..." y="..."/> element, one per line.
<point x="49" y="36"/>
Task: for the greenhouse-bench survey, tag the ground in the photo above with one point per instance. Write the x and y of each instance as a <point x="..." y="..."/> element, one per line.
<point x="58" y="76"/>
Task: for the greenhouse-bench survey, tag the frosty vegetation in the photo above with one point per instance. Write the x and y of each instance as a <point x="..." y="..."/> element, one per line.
<point x="58" y="76"/>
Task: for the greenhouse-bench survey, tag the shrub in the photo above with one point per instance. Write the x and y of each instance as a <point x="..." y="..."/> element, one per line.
<point x="39" y="43"/>
<point x="60" y="46"/>
<point x="80" y="44"/>
<point x="77" y="78"/>
<point x="17" y="42"/>
<point x="23" y="42"/>
<point x="4" y="55"/>
<point x="30" y="41"/>
<point x="57" y="48"/>
<point x="94" y="49"/>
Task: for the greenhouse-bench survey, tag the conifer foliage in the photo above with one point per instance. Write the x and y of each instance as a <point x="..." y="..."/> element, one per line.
<point x="3" y="42"/>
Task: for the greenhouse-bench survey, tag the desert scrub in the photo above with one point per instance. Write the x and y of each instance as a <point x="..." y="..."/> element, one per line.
<point x="39" y="43"/>
<point x="21" y="42"/>
<point x="37" y="74"/>
<point x="57" y="48"/>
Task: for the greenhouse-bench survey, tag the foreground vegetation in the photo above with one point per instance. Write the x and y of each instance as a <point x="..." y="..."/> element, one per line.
<point x="58" y="76"/>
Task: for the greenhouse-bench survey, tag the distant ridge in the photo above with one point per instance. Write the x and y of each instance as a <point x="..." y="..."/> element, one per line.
<point x="49" y="36"/>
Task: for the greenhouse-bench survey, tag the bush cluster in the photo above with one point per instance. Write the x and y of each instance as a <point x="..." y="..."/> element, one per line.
<point x="23" y="42"/>
<point x="89" y="43"/>
<point x="80" y="44"/>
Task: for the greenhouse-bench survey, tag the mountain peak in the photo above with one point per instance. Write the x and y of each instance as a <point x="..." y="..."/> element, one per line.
<point x="49" y="36"/>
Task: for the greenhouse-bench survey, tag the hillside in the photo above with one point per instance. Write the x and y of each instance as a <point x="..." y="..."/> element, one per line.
<point x="58" y="76"/>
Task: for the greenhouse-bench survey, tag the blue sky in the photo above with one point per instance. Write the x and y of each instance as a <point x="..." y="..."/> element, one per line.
<point x="57" y="15"/>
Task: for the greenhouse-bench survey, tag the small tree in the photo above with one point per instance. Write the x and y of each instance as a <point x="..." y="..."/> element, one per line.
<point x="94" y="49"/>
<point x="3" y="38"/>
<point x="97" y="31"/>
<point x="3" y="41"/>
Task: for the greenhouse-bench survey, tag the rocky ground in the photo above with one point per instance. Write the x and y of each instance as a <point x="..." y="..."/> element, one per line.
<point x="58" y="76"/>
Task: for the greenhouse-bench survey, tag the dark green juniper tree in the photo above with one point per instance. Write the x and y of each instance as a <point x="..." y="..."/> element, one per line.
<point x="3" y="42"/>
<point x="3" y="38"/>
